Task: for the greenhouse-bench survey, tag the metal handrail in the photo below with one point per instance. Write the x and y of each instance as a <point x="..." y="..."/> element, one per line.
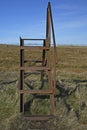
<point x="48" y="32"/>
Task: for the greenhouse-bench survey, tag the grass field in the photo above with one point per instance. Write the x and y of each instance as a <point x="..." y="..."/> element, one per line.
<point x="69" y="58"/>
<point x="71" y="96"/>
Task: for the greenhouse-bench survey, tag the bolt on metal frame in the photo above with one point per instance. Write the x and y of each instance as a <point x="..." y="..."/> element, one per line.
<point x="45" y="67"/>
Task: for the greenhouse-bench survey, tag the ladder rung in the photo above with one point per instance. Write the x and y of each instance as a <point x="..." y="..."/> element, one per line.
<point x="34" y="48"/>
<point x="36" y="61"/>
<point x="36" y="39"/>
<point x="38" y="117"/>
<point x="45" y="92"/>
<point x="34" y="68"/>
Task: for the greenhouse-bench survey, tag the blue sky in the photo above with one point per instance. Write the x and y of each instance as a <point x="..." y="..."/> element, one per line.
<point x="26" y="18"/>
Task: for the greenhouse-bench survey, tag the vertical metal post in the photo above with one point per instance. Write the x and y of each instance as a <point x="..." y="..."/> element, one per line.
<point x="48" y="40"/>
<point x="55" y="51"/>
<point x="43" y="60"/>
<point x="21" y="75"/>
<point x="48" y="28"/>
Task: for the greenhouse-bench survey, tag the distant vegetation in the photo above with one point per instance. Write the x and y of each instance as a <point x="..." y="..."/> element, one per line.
<point x="69" y="58"/>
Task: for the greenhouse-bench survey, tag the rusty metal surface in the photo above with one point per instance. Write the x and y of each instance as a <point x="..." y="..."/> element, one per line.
<point x="45" y="92"/>
<point x="36" y="39"/>
<point x="54" y="42"/>
<point x="21" y="77"/>
<point x="36" y="48"/>
<point x="45" y="66"/>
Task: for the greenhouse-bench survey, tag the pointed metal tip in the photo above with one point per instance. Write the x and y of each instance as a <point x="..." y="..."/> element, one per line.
<point x="49" y="4"/>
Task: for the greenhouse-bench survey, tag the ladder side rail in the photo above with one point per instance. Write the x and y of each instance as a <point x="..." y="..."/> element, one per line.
<point x="55" y="51"/>
<point x="48" y="28"/>
<point x="43" y="63"/>
<point x="48" y="40"/>
<point x="21" y="76"/>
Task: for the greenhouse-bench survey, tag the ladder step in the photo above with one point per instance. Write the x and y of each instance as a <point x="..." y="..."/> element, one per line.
<point x="35" y="68"/>
<point x="36" y="39"/>
<point x="34" y="48"/>
<point x="38" y="117"/>
<point x="36" y="61"/>
<point x="45" y="92"/>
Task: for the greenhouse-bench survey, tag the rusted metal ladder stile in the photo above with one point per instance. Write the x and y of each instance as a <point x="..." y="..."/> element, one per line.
<point x="45" y="66"/>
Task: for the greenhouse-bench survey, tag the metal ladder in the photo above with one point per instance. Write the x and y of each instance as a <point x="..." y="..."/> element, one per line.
<point x="45" y="66"/>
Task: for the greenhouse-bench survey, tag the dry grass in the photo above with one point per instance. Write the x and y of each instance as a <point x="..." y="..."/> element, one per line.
<point x="72" y="58"/>
<point x="69" y="58"/>
<point x="71" y="99"/>
<point x="9" y="58"/>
